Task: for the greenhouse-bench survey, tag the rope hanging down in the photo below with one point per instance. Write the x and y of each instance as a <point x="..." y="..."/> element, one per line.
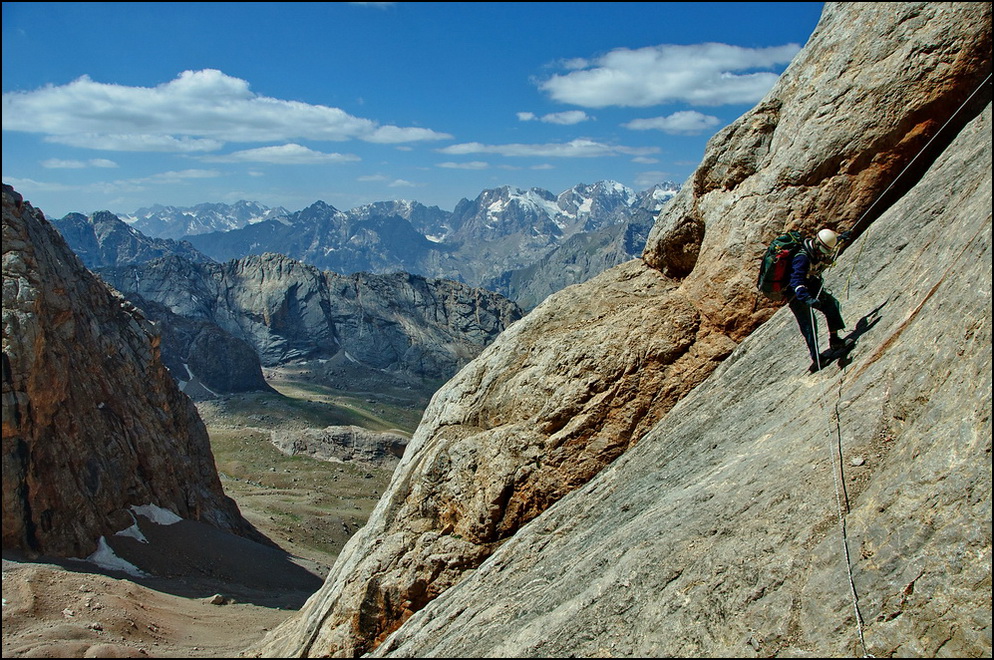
<point x="911" y="162"/>
<point x="842" y="499"/>
<point x="865" y="213"/>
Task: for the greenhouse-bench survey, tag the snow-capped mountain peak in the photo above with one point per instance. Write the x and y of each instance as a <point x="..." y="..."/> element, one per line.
<point x="175" y="222"/>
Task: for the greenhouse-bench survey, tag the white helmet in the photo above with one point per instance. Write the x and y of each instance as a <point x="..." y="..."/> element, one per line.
<point x="826" y="242"/>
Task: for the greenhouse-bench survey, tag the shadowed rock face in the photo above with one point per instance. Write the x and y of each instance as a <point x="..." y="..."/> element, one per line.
<point x="600" y="366"/>
<point x="93" y="423"/>
<point x="412" y="327"/>
<point x="204" y="359"/>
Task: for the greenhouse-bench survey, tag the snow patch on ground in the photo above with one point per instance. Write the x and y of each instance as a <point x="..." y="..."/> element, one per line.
<point x="105" y="558"/>
<point x="157" y="514"/>
<point x="134" y="532"/>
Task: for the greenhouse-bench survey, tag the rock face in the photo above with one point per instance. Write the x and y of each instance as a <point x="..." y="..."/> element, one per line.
<point x="409" y="326"/>
<point x="713" y="531"/>
<point x="343" y="444"/>
<point x="93" y="424"/>
<point x="729" y="530"/>
<point x="204" y="359"/>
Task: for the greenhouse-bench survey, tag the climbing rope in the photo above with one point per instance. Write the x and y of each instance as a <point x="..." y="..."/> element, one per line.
<point x="838" y="471"/>
<point x="814" y="333"/>
<point x="842" y="506"/>
<point x="865" y="213"/>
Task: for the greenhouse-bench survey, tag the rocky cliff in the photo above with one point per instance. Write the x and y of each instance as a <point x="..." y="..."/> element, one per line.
<point x="773" y="513"/>
<point x="93" y="424"/>
<point x="402" y="326"/>
<point x="340" y="444"/>
<point x="204" y="359"/>
<point x="716" y="529"/>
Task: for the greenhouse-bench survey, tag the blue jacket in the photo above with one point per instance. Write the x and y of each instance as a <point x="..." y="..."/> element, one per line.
<point x="805" y="276"/>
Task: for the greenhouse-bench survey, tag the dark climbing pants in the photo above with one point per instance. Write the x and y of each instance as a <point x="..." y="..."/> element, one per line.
<point x="827" y="305"/>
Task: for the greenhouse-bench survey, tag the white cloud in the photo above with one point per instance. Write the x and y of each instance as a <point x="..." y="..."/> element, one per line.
<point x="648" y="179"/>
<point x="58" y="163"/>
<point x="472" y="165"/>
<point x="34" y="185"/>
<point x="685" y="122"/>
<point x="580" y="148"/>
<point x="198" y="111"/>
<point x="174" y="177"/>
<point x="135" y="142"/>
<point x="287" y="154"/>
<point x="113" y="187"/>
<point x="396" y="134"/>
<point x="567" y="118"/>
<point x="707" y="74"/>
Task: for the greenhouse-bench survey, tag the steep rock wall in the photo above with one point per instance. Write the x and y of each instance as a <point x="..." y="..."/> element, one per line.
<point x="93" y="423"/>
<point x="590" y="371"/>
<point x="412" y="326"/>
<point x="731" y="528"/>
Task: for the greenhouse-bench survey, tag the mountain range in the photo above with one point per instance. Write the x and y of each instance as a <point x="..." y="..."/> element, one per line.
<point x="397" y="328"/>
<point x="523" y="246"/>
<point x="491" y="241"/>
<point x="173" y="222"/>
<point x="103" y="239"/>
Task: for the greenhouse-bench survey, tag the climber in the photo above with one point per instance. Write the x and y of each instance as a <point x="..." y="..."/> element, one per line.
<point x="807" y="292"/>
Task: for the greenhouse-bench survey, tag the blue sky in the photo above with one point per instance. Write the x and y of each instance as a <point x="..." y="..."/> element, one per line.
<point x="116" y="106"/>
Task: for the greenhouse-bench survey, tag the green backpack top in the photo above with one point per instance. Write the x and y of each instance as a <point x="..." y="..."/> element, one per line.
<point x="774" y="271"/>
